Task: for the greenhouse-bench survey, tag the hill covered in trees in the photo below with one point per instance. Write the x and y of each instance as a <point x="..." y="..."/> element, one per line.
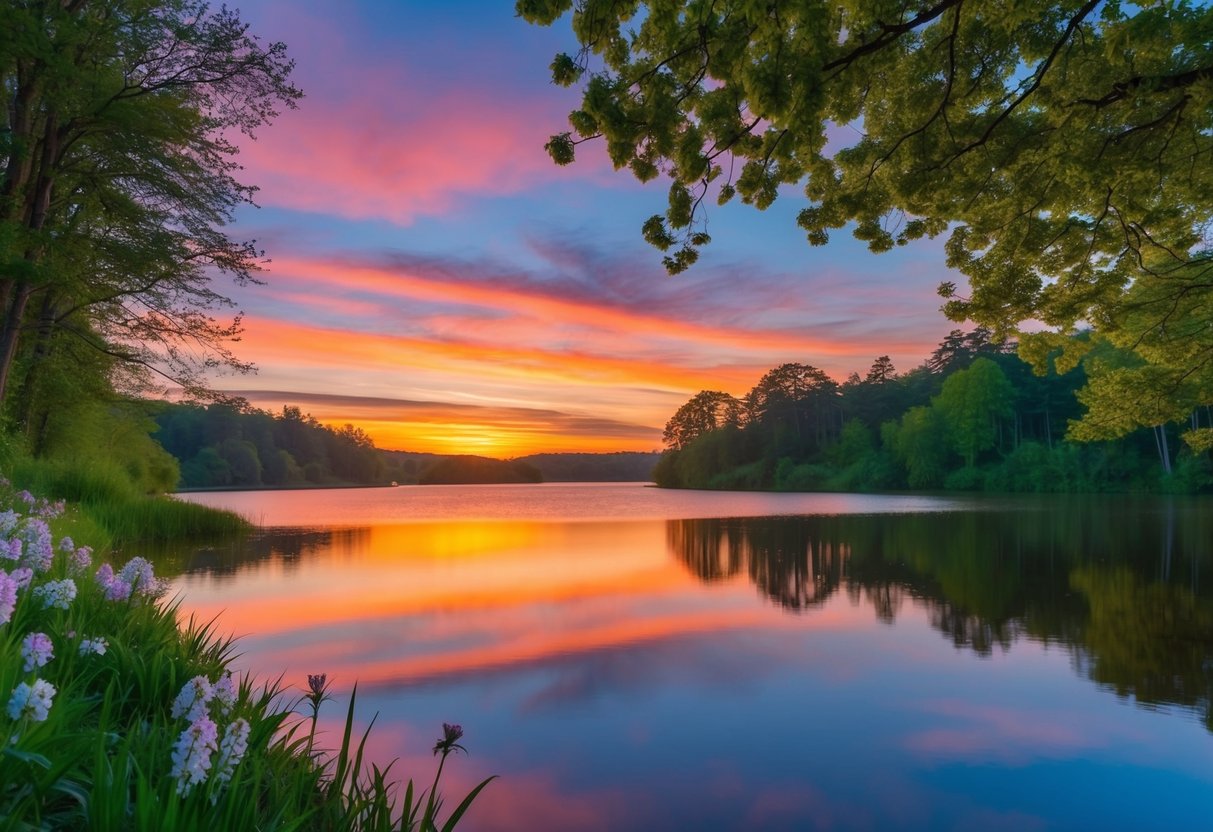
<point x="973" y="417"/>
<point x="624" y="466"/>
<point x="461" y="470"/>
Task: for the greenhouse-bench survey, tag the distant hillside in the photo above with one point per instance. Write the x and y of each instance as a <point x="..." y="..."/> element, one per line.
<point x="459" y="470"/>
<point x="617" y="467"/>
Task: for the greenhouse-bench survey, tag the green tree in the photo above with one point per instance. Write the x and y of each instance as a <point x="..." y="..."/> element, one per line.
<point x="1062" y="146"/>
<point x="117" y="176"/>
<point x="920" y="443"/>
<point x="707" y="410"/>
<point x="972" y="403"/>
<point x="801" y="398"/>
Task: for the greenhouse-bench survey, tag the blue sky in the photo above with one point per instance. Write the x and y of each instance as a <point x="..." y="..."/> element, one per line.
<point x="436" y="280"/>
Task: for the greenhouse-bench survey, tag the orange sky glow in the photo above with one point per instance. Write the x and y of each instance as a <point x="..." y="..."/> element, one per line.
<point x="436" y="281"/>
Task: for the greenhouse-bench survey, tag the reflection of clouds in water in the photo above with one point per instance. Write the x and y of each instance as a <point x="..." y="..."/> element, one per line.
<point x="722" y="663"/>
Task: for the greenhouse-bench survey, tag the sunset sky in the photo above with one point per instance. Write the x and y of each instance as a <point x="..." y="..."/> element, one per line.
<point x="437" y="281"/>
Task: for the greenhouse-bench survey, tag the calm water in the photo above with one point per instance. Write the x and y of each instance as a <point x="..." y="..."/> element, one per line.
<point x="629" y="659"/>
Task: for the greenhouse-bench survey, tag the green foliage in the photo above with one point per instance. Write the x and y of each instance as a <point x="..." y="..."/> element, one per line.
<point x="102" y="754"/>
<point x="973" y="417"/>
<point x="1059" y="145"/>
<point x="99" y="262"/>
<point x="114" y="508"/>
<point x="972" y="402"/>
<point x="707" y="411"/>
<point x="222" y="446"/>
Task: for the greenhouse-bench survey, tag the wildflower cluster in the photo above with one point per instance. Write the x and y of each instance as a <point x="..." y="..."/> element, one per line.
<point x="199" y="752"/>
<point x="26" y="554"/>
<point x="27" y="560"/>
<point x="133" y="580"/>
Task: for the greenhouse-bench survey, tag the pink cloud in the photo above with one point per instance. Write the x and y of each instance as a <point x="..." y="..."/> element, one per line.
<point x="1010" y="735"/>
<point x="387" y="153"/>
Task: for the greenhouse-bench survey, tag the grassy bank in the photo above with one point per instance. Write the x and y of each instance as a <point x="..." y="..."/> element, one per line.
<point x="120" y="716"/>
<point x="111" y="509"/>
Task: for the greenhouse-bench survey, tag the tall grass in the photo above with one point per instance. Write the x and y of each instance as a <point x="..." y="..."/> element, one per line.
<point x="107" y="498"/>
<point x="108" y="753"/>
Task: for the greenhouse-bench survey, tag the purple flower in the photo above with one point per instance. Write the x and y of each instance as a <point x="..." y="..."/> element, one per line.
<point x="82" y="559"/>
<point x="8" y="597"/>
<point x="37" y="650"/>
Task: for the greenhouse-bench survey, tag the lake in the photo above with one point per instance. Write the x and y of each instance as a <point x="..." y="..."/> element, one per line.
<point x="629" y="658"/>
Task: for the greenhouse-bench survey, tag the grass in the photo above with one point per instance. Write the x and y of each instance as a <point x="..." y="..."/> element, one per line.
<point x="113" y="511"/>
<point x="113" y="751"/>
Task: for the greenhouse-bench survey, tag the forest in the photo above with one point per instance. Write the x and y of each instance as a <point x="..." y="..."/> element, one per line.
<point x="973" y="417"/>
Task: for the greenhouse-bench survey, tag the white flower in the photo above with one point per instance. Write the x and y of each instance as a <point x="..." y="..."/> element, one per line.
<point x="192" y="754"/>
<point x="37" y="650"/>
<point x="191" y="702"/>
<point x="32" y="701"/>
<point x="231" y="749"/>
<point x="94" y="645"/>
<point x="225" y="692"/>
<point x="57" y="593"/>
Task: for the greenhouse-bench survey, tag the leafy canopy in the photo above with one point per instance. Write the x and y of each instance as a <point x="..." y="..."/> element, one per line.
<point x="1063" y="147"/>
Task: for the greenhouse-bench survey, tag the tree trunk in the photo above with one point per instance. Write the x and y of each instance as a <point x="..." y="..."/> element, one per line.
<point x="8" y="334"/>
<point x="28" y="392"/>
<point x="1164" y="451"/>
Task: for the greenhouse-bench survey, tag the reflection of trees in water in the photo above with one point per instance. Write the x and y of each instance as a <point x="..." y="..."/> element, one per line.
<point x="285" y="548"/>
<point x="1118" y="582"/>
<point x="784" y="560"/>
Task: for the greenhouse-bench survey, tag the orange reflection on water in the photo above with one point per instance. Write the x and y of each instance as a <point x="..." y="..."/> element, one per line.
<point x="404" y="602"/>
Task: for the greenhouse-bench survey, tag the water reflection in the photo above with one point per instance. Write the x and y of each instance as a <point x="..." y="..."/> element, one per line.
<point x="1123" y="591"/>
<point x="761" y="673"/>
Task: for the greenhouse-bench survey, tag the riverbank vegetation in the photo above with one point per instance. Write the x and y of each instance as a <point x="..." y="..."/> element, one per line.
<point x="973" y="417"/>
<point x="119" y="716"/>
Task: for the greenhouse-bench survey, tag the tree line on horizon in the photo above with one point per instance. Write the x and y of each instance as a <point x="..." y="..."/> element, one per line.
<point x="974" y="417"/>
<point x="229" y="445"/>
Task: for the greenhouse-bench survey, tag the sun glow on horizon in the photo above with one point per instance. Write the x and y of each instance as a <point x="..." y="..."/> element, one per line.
<point x="484" y="439"/>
